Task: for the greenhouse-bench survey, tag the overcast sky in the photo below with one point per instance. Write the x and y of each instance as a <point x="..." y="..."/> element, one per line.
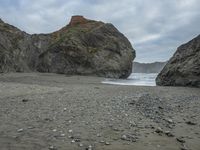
<point x="154" y="27"/>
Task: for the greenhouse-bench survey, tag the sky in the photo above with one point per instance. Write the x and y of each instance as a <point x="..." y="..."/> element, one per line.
<point x="155" y="28"/>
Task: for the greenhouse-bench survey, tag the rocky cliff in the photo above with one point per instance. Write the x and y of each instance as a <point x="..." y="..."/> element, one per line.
<point x="155" y="67"/>
<point x="183" y="69"/>
<point x="84" y="47"/>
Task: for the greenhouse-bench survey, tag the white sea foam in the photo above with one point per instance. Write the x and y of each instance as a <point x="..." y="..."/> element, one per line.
<point x="140" y="79"/>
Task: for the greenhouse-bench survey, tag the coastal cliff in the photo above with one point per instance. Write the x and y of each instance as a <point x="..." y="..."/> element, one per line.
<point x="84" y="47"/>
<point x="183" y="69"/>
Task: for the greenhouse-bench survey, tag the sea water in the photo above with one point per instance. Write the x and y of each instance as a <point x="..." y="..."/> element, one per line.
<point x="140" y="79"/>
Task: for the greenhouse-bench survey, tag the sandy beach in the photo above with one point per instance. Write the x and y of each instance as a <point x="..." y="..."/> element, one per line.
<point x="59" y="112"/>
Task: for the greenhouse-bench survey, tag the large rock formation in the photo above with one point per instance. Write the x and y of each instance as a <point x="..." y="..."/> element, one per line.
<point x="154" y="67"/>
<point x="84" y="47"/>
<point x="183" y="69"/>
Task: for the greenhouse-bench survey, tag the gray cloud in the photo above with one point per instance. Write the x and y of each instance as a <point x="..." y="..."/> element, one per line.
<point x="155" y="28"/>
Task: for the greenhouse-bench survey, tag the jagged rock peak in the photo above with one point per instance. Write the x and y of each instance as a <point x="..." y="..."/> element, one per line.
<point x="77" y="20"/>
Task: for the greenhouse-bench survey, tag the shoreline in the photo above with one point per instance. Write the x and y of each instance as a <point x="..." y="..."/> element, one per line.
<point x="54" y="111"/>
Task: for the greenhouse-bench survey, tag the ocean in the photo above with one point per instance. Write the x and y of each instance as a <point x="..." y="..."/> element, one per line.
<point x="138" y="79"/>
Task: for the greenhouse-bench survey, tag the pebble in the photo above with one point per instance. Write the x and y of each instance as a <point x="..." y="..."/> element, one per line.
<point x="80" y="144"/>
<point x="54" y="130"/>
<point x="73" y="141"/>
<point x="159" y="130"/>
<point x="20" y="130"/>
<point x="190" y="123"/>
<point x="160" y="107"/>
<point x="24" y="100"/>
<point x="52" y="148"/>
<point x="116" y="129"/>
<point x="62" y="135"/>
<point x="102" y="141"/>
<point x="180" y="139"/>
<point x="129" y="138"/>
<point x="70" y="131"/>
<point x="107" y="143"/>
<point x="89" y="147"/>
<point x="169" y="120"/>
<point x="64" y="109"/>
<point x="132" y="123"/>
<point x="169" y="134"/>
<point x="124" y="137"/>
<point x="30" y="127"/>
<point x="184" y="147"/>
<point x="70" y="137"/>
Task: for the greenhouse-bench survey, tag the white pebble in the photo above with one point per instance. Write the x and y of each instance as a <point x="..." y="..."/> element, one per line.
<point x="20" y="130"/>
<point x="73" y="141"/>
<point x="70" y="131"/>
<point x="54" y="130"/>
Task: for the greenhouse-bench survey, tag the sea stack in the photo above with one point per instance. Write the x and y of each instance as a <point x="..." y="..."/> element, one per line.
<point x="83" y="47"/>
<point x="183" y="69"/>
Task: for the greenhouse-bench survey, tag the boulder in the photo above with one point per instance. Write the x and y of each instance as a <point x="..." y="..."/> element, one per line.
<point x="183" y="69"/>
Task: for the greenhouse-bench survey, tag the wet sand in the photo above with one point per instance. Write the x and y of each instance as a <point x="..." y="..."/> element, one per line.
<point x="58" y="112"/>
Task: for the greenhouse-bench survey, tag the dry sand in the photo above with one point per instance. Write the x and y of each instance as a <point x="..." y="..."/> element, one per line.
<point x="58" y="112"/>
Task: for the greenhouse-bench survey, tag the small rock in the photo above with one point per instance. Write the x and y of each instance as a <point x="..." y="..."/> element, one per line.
<point x="52" y="148"/>
<point x="115" y="129"/>
<point x="159" y="130"/>
<point x="98" y="135"/>
<point x="54" y="130"/>
<point x="191" y="123"/>
<point x="80" y="144"/>
<point x="132" y="124"/>
<point x="89" y="147"/>
<point x="158" y="146"/>
<point x="24" y="100"/>
<point x="64" y="109"/>
<point x="131" y="138"/>
<point x="70" y="131"/>
<point x="184" y="147"/>
<point x="73" y="141"/>
<point x="169" y="120"/>
<point x="62" y="135"/>
<point x="102" y="141"/>
<point x="20" y="130"/>
<point x="124" y="137"/>
<point x="30" y="127"/>
<point x="107" y="143"/>
<point x="180" y="139"/>
<point x="169" y="134"/>
<point x="70" y="137"/>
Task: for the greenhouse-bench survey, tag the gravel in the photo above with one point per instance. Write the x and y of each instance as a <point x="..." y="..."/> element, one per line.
<point x="79" y="112"/>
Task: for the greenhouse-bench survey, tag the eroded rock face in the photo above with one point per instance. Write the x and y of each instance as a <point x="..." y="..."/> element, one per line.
<point x="183" y="69"/>
<point x="84" y="47"/>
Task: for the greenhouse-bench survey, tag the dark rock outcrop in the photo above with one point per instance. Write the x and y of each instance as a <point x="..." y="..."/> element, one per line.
<point x="183" y="69"/>
<point x="84" y="47"/>
<point x="155" y="67"/>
